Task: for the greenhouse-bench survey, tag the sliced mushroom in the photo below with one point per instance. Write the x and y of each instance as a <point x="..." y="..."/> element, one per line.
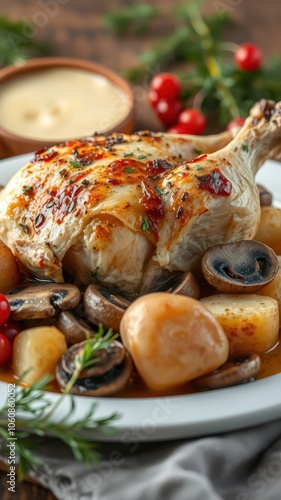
<point x="101" y="305"/>
<point x="74" y="328"/>
<point x="182" y="284"/>
<point x="104" y="378"/>
<point x="246" y="266"/>
<point x="237" y="371"/>
<point x="42" y="301"/>
<point x="265" y="196"/>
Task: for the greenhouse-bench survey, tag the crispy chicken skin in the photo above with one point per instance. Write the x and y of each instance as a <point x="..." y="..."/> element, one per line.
<point x="129" y="209"/>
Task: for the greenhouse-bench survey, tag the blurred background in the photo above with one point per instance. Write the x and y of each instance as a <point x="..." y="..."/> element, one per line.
<point x="77" y="28"/>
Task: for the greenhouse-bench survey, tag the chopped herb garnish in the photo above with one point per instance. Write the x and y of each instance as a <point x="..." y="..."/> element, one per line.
<point x="75" y="164"/>
<point x="24" y="228"/>
<point x="128" y="154"/>
<point x="142" y="157"/>
<point x="245" y="147"/>
<point x="85" y="182"/>
<point x="95" y="271"/>
<point x="199" y="167"/>
<point x="50" y="204"/>
<point x="197" y="151"/>
<point x="26" y="189"/>
<point x="145" y="225"/>
<point x="129" y="170"/>
<point x="162" y="191"/>
<point x="179" y="212"/>
<point x="70" y="206"/>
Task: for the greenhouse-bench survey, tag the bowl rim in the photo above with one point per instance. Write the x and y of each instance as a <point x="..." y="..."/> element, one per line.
<point x="44" y="63"/>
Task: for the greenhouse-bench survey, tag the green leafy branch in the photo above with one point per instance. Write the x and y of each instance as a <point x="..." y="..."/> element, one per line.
<point x="134" y="18"/>
<point x="34" y="414"/>
<point x="17" y="42"/>
<point x="210" y="74"/>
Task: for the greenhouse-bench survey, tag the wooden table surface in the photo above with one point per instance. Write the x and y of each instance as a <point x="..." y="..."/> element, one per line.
<point x="75" y="29"/>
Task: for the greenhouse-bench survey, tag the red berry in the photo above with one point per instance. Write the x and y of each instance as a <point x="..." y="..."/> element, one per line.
<point x="153" y="98"/>
<point x="176" y="129"/>
<point x="11" y="330"/>
<point x="4" y="309"/>
<point x="236" y="122"/>
<point x="5" y="350"/>
<point x="193" y="121"/>
<point x="248" y="57"/>
<point x="166" y="85"/>
<point x="168" y="111"/>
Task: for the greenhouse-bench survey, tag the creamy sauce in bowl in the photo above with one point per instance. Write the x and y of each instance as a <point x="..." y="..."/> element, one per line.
<point x="61" y="103"/>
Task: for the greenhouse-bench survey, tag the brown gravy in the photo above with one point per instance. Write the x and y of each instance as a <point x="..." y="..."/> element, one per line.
<point x="270" y="365"/>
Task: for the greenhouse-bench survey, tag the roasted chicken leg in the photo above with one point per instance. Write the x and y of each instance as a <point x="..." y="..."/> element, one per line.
<point x="126" y="209"/>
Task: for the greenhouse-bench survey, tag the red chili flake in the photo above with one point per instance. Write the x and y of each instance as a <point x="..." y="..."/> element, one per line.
<point x="159" y="166"/>
<point x="39" y="220"/>
<point x="215" y="183"/>
<point x="199" y="158"/>
<point x="52" y="192"/>
<point x="85" y="159"/>
<point x="119" y="168"/>
<point x="78" y="143"/>
<point x="80" y="175"/>
<point x="41" y="155"/>
<point x="41" y="151"/>
<point x="153" y="207"/>
<point x="114" y="182"/>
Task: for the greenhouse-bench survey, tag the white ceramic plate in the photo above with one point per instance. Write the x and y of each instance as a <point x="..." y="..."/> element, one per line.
<point x="192" y="415"/>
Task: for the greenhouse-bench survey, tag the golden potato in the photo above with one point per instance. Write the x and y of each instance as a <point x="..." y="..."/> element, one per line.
<point x="251" y="322"/>
<point x="9" y="271"/>
<point x="273" y="290"/>
<point x="172" y="339"/>
<point x="269" y="230"/>
<point x="38" y="351"/>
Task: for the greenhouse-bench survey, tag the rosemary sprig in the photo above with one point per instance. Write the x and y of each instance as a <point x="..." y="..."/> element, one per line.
<point x="34" y="414"/>
<point x="88" y="355"/>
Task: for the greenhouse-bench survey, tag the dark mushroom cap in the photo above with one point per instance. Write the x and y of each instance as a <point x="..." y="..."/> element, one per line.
<point x="238" y="371"/>
<point x="101" y="305"/>
<point x="265" y="196"/>
<point x="104" y="378"/>
<point x="245" y="266"/>
<point x="182" y="284"/>
<point x="42" y="301"/>
<point x="74" y="328"/>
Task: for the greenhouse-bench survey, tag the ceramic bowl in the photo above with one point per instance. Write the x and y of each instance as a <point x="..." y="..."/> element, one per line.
<point x="12" y="144"/>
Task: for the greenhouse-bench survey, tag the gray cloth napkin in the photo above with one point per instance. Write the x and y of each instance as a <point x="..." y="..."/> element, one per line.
<point x="241" y="465"/>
